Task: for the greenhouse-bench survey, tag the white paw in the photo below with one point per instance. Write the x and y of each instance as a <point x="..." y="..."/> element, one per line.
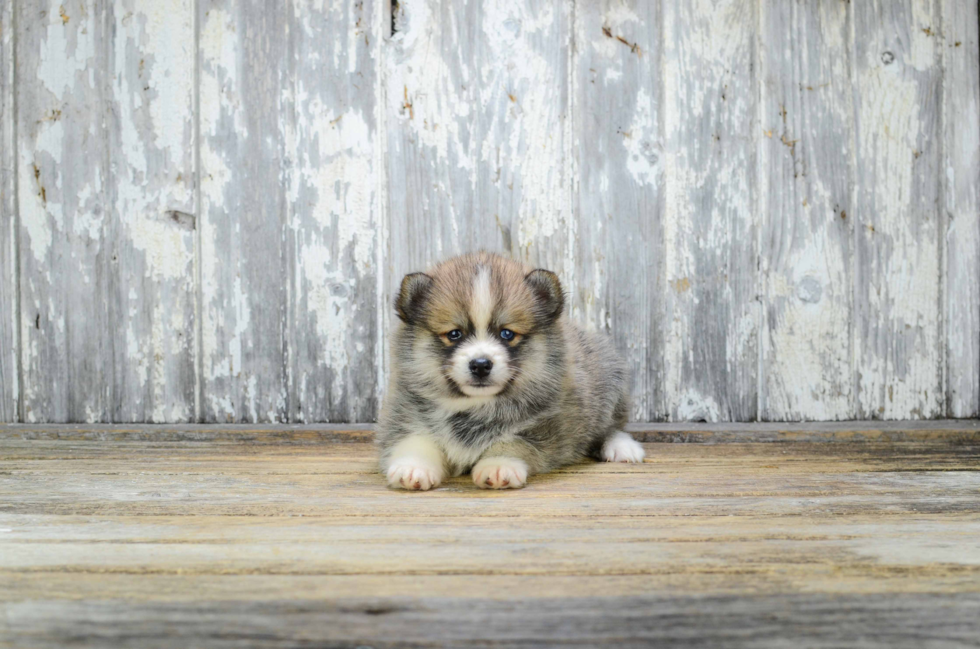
<point x="499" y="473"/>
<point x="413" y="473"/>
<point x="620" y="447"/>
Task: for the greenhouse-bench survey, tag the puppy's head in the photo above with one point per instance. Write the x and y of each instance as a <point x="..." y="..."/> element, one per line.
<point x="480" y="323"/>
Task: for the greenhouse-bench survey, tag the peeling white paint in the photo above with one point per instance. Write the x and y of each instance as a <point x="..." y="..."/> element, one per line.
<point x="220" y="340"/>
<point x="899" y="350"/>
<point x="423" y="79"/>
<point x="642" y="157"/>
<point x="65" y="55"/>
<point x="333" y="212"/>
<point x="961" y="93"/>
<point x="806" y="252"/>
<point x="531" y="125"/>
<point x="710" y="209"/>
<point x="479" y="139"/>
<point x="152" y="83"/>
<point x="694" y="406"/>
<point x="327" y="297"/>
<point x="343" y="178"/>
<point x="10" y="347"/>
<point x="35" y="206"/>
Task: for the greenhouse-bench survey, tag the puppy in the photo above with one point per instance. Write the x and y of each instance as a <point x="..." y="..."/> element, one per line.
<point x="489" y="376"/>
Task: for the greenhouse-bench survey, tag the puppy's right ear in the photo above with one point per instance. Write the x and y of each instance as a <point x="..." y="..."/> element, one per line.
<point x="412" y="295"/>
<point x="548" y="294"/>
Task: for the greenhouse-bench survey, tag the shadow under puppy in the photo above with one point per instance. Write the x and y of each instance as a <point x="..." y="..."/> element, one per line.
<point x="488" y="375"/>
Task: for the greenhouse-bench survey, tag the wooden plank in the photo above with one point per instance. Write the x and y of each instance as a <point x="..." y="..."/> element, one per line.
<point x="9" y="290"/>
<point x="541" y="548"/>
<point x="458" y="502"/>
<point x="152" y="544"/>
<point x="71" y="544"/>
<point x="806" y="180"/>
<point x="334" y="207"/>
<point x="65" y="255"/>
<point x="249" y="433"/>
<point x="961" y="169"/>
<point x="725" y="620"/>
<point x="477" y="114"/>
<point x="346" y="589"/>
<point x="152" y="209"/>
<point x="244" y="271"/>
<point x="711" y="224"/>
<point x="341" y="480"/>
<point x="952" y="431"/>
<point x="482" y="104"/>
<point x="897" y="273"/>
<point x="619" y="181"/>
<point x="334" y="457"/>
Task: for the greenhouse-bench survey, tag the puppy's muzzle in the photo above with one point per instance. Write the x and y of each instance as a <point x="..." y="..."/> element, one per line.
<point x="480" y="367"/>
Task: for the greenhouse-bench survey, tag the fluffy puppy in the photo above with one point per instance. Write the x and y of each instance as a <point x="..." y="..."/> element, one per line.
<point x="489" y="376"/>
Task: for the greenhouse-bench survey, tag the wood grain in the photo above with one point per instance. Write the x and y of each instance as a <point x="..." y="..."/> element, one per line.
<point x="145" y="543"/>
<point x="244" y="270"/>
<point x="711" y="224"/>
<point x="898" y="248"/>
<point x="9" y="290"/>
<point x="206" y="204"/>
<point x="333" y="207"/>
<point x="949" y="431"/>
<point x="152" y="208"/>
<point x="477" y="118"/>
<point x="806" y="179"/>
<point x="619" y="181"/>
<point x="961" y="169"/>
<point x="731" y="621"/>
<point x="65" y="229"/>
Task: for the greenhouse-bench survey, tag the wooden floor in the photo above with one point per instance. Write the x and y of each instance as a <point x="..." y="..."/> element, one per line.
<point x="251" y="537"/>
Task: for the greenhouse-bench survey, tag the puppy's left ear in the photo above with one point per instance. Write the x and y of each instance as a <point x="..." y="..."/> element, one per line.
<point x="549" y="297"/>
<point x="412" y="295"/>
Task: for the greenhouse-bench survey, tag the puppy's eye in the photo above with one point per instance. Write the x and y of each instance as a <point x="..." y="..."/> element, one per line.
<point x="507" y="334"/>
<point x="454" y="335"/>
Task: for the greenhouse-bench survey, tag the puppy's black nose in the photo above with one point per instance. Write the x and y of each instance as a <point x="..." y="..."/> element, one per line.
<point x="481" y="367"/>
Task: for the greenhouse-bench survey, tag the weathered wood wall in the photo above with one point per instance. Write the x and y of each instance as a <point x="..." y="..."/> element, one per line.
<point x="774" y="207"/>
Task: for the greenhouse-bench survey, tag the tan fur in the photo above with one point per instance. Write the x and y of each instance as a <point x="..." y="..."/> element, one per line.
<point x="556" y="394"/>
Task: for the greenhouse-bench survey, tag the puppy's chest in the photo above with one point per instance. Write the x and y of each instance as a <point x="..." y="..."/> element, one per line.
<point x="464" y="436"/>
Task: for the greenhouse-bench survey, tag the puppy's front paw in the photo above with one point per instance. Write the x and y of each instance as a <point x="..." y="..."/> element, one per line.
<point x="414" y="474"/>
<point x="500" y="473"/>
<point x="620" y="447"/>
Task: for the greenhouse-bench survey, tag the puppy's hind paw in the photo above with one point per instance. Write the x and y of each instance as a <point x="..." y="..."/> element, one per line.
<point x="620" y="447"/>
<point x="500" y="473"/>
<point x="412" y="474"/>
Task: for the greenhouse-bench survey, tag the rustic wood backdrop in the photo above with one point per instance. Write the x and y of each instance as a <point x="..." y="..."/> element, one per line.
<point x="771" y="205"/>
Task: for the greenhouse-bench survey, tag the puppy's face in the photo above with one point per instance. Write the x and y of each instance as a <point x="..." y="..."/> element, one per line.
<point x="476" y="319"/>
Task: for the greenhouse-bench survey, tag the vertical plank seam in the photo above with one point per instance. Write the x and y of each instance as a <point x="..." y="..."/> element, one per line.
<point x="15" y="152"/>
<point x="288" y="247"/>
<point x="662" y="286"/>
<point x="976" y="190"/>
<point x="762" y="323"/>
<point x="569" y="163"/>
<point x="384" y="15"/>
<point x="568" y="149"/>
<point x="943" y="225"/>
<point x="108" y="211"/>
<point x="856" y="216"/>
<point x="661" y="291"/>
<point x="851" y="234"/>
<point x="198" y="287"/>
<point x="757" y="205"/>
<point x="287" y="251"/>
<point x="286" y="274"/>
